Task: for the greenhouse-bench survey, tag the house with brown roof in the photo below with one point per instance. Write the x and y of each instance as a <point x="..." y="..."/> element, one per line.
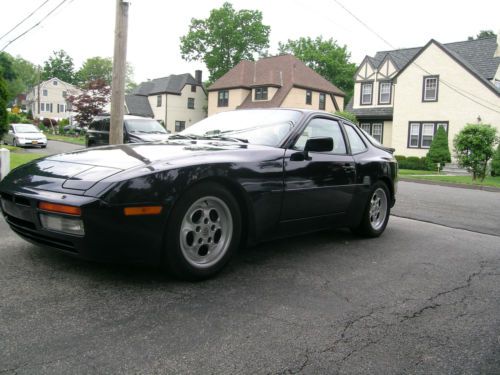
<point x="279" y="81"/>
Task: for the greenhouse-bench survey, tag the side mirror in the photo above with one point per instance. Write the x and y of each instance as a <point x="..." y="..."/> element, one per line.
<point x="319" y="144"/>
<point x="11" y="132"/>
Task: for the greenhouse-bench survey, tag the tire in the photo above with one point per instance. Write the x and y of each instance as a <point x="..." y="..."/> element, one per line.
<point x="14" y="142"/>
<point x="203" y="232"/>
<point x="376" y="213"/>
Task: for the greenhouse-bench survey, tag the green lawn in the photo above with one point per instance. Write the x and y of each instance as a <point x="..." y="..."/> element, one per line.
<point x="465" y="180"/>
<point x="80" y="140"/>
<point x="19" y="158"/>
<point x="409" y="172"/>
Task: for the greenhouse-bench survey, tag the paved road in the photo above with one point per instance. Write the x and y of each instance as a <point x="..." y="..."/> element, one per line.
<point x="421" y="299"/>
<point x="474" y="210"/>
<point x="54" y="147"/>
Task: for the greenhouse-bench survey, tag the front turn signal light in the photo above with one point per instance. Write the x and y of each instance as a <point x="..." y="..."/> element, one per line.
<point x="145" y="210"/>
<point x="60" y="208"/>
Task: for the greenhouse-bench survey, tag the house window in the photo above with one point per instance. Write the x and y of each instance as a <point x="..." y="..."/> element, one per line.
<point x="180" y="126"/>
<point x="193" y="88"/>
<point x="223" y="98"/>
<point x="54" y="83"/>
<point x="308" y="96"/>
<point x="42" y="107"/>
<point x="191" y="103"/>
<point x="45" y="92"/>
<point x="366" y="93"/>
<point x="430" y="89"/>
<point x="421" y="134"/>
<point x="384" y="93"/>
<point x="375" y="129"/>
<point x="261" y="93"/>
<point x="64" y="94"/>
<point x="158" y="100"/>
<point x="322" y="101"/>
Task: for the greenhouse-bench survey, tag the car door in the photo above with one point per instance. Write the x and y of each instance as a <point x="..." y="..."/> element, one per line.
<point x="323" y="183"/>
<point x="9" y="136"/>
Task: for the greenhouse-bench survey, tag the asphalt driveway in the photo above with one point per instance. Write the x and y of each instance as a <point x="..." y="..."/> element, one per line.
<point x="421" y="299"/>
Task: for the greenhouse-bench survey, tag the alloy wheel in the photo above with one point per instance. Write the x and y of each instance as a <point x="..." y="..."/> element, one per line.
<point x="378" y="208"/>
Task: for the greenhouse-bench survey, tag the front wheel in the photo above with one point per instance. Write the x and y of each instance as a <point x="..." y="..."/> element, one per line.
<point x="377" y="211"/>
<point x="203" y="232"/>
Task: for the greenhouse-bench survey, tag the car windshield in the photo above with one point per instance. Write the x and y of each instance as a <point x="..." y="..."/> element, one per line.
<point x="144" y="126"/>
<point x="262" y="127"/>
<point x="26" y="128"/>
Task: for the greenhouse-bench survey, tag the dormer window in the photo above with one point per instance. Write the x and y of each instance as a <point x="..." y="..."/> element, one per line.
<point x="366" y="93"/>
<point x="384" y="93"/>
<point x="261" y="93"/>
<point x="54" y="83"/>
<point x="430" y="89"/>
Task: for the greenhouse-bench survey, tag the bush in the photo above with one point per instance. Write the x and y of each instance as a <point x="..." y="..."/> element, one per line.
<point x="495" y="163"/>
<point x="474" y="147"/>
<point x="412" y="162"/>
<point x="64" y="122"/>
<point x="18" y="118"/>
<point x="348" y="115"/>
<point x="439" y="151"/>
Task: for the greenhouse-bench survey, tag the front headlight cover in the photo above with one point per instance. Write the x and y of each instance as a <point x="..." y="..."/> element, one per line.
<point x="62" y="224"/>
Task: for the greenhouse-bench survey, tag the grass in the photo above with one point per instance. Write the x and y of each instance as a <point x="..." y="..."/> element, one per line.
<point x="463" y="180"/>
<point x="79" y="140"/>
<point x="19" y="158"/>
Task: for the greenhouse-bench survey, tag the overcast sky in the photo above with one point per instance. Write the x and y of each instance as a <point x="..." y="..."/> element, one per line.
<point x="84" y="28"/>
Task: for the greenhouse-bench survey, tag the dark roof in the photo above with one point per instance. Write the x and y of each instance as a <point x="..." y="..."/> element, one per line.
<point x="375" y="113"/>
<point x="171" y="85"/>
<point x="283" y="72"/>
<point x="138" y="105"/>
<point x="476" y="55"/>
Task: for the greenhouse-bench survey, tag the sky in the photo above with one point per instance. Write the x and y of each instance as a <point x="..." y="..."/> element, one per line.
<point x="85" y="28"/>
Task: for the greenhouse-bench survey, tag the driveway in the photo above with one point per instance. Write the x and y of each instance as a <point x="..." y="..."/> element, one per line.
<point x="54" y="147"/>
<point x="421" y="299"/>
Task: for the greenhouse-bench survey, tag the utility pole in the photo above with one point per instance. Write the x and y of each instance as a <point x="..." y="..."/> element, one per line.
<point x="119" y="69"/>
<point x="38" y="92"/>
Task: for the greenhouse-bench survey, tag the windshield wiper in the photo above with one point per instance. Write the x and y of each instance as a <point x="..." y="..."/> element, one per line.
<point x="183" y="136"/>
<point x="225" y="138"/>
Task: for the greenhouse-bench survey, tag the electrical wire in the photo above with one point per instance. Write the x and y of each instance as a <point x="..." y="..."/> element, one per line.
<point x="34" y="26"/>
<point x="24" y="19"/>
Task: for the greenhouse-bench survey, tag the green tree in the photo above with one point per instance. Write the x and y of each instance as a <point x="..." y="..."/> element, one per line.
<point x="59" y="65"/>
<point x="495" y="163"/>
<point x="484" y="34"/>
<point x="224" y="39"/>
<point x="101" y="68"/>
<point x="9" y="75"/>
<point x="27" y="75"/>
<point x="326" y="58"/>
<point x="439" y="152"/>
<point x="3" y="107"/>
<point x="348" y="115"/>
<point x="474" y="147"/>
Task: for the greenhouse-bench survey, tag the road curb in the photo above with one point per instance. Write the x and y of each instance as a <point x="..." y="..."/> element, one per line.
<point x="450" y="184"/>
<point x="69" y="143"/>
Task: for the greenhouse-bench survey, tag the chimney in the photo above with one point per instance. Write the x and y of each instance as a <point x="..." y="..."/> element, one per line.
<point x="197" y="76"/>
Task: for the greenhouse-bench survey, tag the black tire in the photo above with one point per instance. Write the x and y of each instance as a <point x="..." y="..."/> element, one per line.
<point x="372" y="225"/>
<point x="14" y="142"/>
<point x="178" y="257"/>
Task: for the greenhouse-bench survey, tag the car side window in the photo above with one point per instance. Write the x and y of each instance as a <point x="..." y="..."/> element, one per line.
<point x="321" y="127"/>
<point x="105" y="125"/>
<point x="355" y="141"/>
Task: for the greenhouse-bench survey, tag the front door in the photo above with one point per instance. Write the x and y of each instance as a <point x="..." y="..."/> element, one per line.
<point x="323" y="184"/>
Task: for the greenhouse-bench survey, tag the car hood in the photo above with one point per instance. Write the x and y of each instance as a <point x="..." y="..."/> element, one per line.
<point x="148" y="137"/>
<point x="78" y="171"/>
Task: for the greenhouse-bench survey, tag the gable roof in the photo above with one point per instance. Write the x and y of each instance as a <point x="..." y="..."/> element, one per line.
<point x="172" y="84"/>
<point x="138" y="105"/>
<point x="283" y="72"/>
<point x="477" y="56"/>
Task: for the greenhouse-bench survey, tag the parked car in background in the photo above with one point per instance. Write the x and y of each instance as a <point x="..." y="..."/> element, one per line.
<point x="22" y="135"/>
<point x="135" y="130"/>
<point x="75" y="128"/>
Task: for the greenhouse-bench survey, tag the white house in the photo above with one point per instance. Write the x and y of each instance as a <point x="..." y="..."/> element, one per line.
<point x="401" y="97"/>
<point x="49" y="99"/>
<point x="178" y="100"/>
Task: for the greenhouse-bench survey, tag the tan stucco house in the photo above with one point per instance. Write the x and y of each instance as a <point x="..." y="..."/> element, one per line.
<point x="49" y="99"/>
<point x="279" y="81"/>
<point x="401" y="97"/>
<point x="179" y="101"/>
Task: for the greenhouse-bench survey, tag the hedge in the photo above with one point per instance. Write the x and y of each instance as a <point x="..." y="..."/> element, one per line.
<point x="412" y="162"/>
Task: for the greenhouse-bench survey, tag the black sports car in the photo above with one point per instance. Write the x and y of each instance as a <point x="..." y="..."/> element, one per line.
<point x="189" y="202"/>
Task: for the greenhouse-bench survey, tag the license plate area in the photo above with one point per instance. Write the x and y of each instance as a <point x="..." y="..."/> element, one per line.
<point x="18" y="211"/>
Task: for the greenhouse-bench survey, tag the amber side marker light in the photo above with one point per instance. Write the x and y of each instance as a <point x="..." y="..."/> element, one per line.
<point x="137" y="211"/>
<point x="60" y="208"/>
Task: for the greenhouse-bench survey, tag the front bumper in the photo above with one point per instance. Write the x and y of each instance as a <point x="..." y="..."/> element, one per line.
<point x="109" y="235"/>
<point x="31" y="142"/>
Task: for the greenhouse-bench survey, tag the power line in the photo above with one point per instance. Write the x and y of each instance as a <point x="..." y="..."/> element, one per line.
<point x="456" y="89"/>
<point x="35" y="25"/>
<point x="24" y="19"/>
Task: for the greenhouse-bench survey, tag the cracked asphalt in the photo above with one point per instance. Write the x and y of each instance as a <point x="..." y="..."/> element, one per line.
<point x="422" y="299"/>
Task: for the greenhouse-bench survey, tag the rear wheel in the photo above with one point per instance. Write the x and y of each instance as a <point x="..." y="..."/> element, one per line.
<point x="377" y="211"/>
<point x="203" y="232"/>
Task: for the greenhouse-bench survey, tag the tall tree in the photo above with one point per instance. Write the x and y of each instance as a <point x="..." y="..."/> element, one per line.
<point x="439" y="152"/>
<point x="26" y="72"/>
<point x="91" y="102"/>
<point x="225" y="38"/>
<point x="9" y="76"/>
<point x="484" y="34"/>
<point x="101" y="68"/>
<point x="326" y="58"/>
<point x="3" y="107"/>
<point x="59" y="65"/>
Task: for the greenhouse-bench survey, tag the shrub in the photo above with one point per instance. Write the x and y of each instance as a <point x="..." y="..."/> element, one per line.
<point x="411" y="162"/>
<point x="439" y="151"/>
<point x="64" y="122"/>
<point x="347" y="115"/>
<point x="474" y="147"/>
<point x="495" y="163"/>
